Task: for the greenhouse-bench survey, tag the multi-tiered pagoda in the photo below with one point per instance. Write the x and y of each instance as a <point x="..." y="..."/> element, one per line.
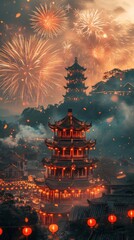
<point x="69" y="169"/>
<point x="68" y="172"/>
<point x="75" y="88"/>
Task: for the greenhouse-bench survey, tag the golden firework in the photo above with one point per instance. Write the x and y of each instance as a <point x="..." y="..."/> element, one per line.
<point x="28" y="67"/>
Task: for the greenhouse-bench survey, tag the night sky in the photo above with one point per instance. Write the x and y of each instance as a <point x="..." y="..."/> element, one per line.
<point x="38" y="39"/>
<point x="98" y="50"/>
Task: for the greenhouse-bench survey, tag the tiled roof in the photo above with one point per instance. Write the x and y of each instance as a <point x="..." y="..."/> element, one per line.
<point x="107" y="236"/>
<point x="69" y="163"/>
<point x="56" y="208"/>
<point x="69" y="143"/>
<point x="66" y="183"/>
<point x="69" y="122"/>
<point x="97" y="210"/>
<point x="78" y="213"/>
<point x="75" y="66"/>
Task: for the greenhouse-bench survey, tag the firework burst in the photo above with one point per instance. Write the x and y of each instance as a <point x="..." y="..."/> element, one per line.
<point x="90" y="23"/>
<point x="49" y="20"/>
<point x="28" y="67"/>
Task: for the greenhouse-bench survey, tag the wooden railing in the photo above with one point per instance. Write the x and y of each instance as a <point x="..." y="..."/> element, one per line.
<point x="67" y="157"/>
<point x="69" y="137"/>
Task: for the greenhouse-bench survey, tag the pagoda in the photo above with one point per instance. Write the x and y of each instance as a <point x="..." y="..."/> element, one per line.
<point x="75" y="88"/>
<point x="69" y="169"/>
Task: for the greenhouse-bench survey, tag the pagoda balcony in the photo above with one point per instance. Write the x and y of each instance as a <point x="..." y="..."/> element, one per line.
<point x="66" y="177"/>
<point x="69" y="137"/>
<point x="69" y="157"/>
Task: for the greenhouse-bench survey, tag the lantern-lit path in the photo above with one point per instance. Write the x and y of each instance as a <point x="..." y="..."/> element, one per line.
<point x="28" y="193"/>
<point x="25" y="190"/>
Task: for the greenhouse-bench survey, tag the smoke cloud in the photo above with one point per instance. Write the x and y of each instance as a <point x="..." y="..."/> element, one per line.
<point x="27" y="134"/>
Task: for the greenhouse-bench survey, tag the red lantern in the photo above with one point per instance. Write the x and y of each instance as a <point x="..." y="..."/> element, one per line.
<point x="91" y="222"/>
<point x="27" y="231"/>
<point x="112" y="218"/>
<point x="53" y="228"/>
<point x="1" y="231"/>
<point x="131" y="213"/>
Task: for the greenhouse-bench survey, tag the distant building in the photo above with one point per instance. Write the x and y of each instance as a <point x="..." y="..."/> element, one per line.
<point x="116" y="82"/>
<point x="119" y="202"/>
<point x="75" y="88"/>
<point x="14" y="170"/>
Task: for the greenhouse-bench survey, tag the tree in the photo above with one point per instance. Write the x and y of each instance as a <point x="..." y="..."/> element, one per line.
<point x="13" y="219"/>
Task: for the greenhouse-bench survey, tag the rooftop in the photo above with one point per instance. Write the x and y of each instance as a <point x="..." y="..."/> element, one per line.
<point x="69" y="121"/>
<point x="76" y="66"/>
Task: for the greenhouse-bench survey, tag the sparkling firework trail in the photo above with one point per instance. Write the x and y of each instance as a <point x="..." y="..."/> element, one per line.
<point x="90" y="23"/>
<point x="49" y="20"/>
<point x="67" y="45"/>
<point x="28" y="67"/>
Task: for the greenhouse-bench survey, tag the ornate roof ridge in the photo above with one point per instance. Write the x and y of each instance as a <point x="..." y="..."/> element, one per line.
<point x="75" y="66"/>
<point x="71" y="121"/>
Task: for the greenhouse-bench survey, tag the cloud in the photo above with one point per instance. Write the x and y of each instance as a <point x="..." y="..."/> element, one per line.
<point x="26" y="133"/>
<point x="128" y="113"/>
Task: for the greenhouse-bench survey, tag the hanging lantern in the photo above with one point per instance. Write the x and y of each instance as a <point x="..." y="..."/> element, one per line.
<point x="131" y="213"/>
<point x="26" y="231"/>
<point x="91" y="222"/>
<point x="1" y="231"/>
<point x="112" y="218"/>
<point x="53" y="228"/>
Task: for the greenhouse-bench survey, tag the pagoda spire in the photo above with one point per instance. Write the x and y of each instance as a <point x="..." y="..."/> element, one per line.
<point x="76" y="60"/>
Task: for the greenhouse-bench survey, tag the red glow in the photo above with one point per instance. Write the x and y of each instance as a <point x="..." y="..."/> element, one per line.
<point x="53" y="228"/>
<point x="112" y="218"/>
<point x="1" y="231"/>
<point x="26" y="231"/>
<point x="131" y="213"/>
<point x="91" y="222"/>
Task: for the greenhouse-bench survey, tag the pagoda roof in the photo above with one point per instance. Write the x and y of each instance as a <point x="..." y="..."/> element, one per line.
<point x="79" y="87"/>
<point x="69" y="163"/>
<point x="76" y="76"/>
<point x="69" y="122"/>
<point x="74" y="143"/>
<point x="56" y="208"/>
<point x="75" y="66"/>
<point x="67" y="184"/>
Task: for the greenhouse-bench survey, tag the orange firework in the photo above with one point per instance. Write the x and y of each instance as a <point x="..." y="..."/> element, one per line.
<point x="28" y="67"/>
<point x="49" y="21"/>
